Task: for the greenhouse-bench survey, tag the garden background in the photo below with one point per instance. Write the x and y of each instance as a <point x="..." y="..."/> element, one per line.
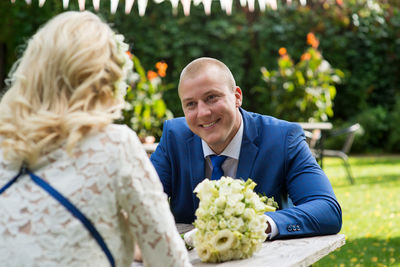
<point x="359" y="37"/>
<point x="268" y="52"/>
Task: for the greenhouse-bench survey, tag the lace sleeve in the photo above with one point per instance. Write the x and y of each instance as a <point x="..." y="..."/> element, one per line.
<point x="150" y="220"/>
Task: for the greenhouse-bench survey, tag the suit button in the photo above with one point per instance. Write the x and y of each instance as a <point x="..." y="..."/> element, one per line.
<point x="289" y="228"/>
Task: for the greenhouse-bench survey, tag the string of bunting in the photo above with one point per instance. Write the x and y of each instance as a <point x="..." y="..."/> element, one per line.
<point x="226" y="5"/>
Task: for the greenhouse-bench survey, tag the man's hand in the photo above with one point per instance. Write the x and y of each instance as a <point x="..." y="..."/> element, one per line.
<point x="138" y="254"/>
<point x="268" y="230"/>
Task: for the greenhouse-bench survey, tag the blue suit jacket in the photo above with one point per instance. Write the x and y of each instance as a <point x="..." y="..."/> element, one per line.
<point x="274" y="154"/>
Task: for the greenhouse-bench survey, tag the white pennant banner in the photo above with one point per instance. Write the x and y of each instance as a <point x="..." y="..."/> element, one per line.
<point x="113" y="6"/>
<point x="226" y="5"/>
<point x="251" y="5"/>
<point x="65" y="4"/>
<point x="81" y="5"/>
<point x="96" y="4"/>
<point x="128" y="6"/>
<point x="207" y="6"/>
<point x="186" y="6"/>
<point x="142" y="4"/>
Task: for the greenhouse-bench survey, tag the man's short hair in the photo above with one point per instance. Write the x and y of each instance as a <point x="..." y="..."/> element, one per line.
<point x="199" y="65"/>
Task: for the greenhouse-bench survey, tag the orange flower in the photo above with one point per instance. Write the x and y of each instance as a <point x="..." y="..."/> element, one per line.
<point x="129" y="54"/>
<point x="339" y="2"/>
<point x="151" y="75"/>
<point x="305" y="56"/>
<point x="282" y="51"/>
<point x="161" y="68"/>
<point x="312" y="40"/>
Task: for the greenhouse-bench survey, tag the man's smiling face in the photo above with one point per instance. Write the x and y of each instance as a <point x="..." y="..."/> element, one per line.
<point x="211" y="107"/>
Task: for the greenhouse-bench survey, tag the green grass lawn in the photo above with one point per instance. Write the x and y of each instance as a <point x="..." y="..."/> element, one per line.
<point x="371" y="211"/>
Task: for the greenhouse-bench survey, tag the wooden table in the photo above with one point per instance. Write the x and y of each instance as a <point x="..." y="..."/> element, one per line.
<point x="280" y="253"/>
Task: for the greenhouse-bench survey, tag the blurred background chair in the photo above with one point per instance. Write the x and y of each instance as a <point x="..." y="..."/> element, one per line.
<point x="349" y="134"/>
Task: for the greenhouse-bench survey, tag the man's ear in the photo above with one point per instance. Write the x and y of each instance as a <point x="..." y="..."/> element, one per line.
<point x="238" y="96"/>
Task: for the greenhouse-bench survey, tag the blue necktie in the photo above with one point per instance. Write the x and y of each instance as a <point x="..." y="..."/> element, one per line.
<point x="217" y="171"/>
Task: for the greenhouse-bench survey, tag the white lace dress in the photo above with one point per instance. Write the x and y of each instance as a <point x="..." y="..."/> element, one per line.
<point x="111" y="181"/>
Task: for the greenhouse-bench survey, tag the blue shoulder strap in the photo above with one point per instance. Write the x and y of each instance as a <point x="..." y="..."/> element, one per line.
<point x="68" y="205"/>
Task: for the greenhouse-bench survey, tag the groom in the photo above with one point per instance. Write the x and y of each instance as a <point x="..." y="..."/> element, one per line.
<point x="217" y="137"/>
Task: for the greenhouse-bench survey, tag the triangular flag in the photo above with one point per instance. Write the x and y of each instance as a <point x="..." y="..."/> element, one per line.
<point x="113" y="6"/>
<point x="223" y="4"/>
<point x="142" y="4"/>
<point x="81" y="5"/>
<point x="65" y="4"/>
<point x="174" y="4"/>
<point x="41" y="2"/>
<point x="96" y="4"/>
<point x="251" y="5"/>
<point x="207" y="6"/>
<point x="228" y="7"/>
<point x="186" y="7"/>
<point x="274" y="5"/>
<point x="262" y="3"/>
<point x="128" y="6"/>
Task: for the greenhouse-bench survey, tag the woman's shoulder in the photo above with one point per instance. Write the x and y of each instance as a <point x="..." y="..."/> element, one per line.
<point x="119" y="132"/>
<point x="110" y="137"/>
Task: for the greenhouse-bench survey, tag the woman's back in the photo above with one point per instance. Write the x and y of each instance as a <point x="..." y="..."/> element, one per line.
<point x="110" y="179"/>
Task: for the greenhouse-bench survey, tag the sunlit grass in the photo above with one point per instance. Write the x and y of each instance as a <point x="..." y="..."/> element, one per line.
<point x="371" y="211"/>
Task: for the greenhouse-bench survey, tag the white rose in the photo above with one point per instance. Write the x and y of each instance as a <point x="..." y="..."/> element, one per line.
<point x="235" y="223"/>
<point x="228" y="212"/>
<point x="239" y="208"/>
<point x="204" y="251"/>
<point x="233" y="199"/>
<point x="249" y="213"/>
<point x="220" y="202"/>
<point x="223" y="240"/>
<point x="212" y="225"/>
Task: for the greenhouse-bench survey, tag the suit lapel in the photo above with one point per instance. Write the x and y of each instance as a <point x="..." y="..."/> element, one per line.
<point x="249" y="147"/>
<point x="195" y="160"/>
<point x="196" y="165"/>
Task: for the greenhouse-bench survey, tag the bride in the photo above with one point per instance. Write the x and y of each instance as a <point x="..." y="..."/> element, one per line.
<point x="56" y="121"/>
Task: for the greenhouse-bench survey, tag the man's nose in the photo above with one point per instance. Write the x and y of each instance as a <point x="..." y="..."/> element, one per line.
<point x="203" y="109"/>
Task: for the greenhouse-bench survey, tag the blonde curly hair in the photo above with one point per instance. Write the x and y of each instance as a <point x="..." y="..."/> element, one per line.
<point x="61" y="89"/>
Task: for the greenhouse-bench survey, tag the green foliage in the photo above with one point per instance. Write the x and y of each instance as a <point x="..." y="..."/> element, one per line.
<point x="374" y="122"/>
<point x="145" y="110"/>
<point x="359" y="37"/>
<point x="393" y="142"/>
<point x="370" y="211"/>
<point x="300" y="91"/>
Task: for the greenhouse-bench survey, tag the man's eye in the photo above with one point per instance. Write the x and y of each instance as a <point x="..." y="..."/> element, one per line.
<point x="190" y="104"/>
<point x="211" y="97"/>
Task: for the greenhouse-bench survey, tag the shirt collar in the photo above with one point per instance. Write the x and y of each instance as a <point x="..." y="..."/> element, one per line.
<point x="233" y="148"/>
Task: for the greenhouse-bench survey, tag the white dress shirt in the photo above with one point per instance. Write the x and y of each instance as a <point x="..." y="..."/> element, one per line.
<point x="230" y="165"/>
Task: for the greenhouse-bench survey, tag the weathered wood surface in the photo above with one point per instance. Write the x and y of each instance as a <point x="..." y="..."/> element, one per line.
<point x="281" y="253"/>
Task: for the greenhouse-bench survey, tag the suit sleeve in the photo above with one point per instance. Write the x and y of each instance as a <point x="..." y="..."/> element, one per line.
<point x="316" y="210"/>
<point x="161" y="161"/>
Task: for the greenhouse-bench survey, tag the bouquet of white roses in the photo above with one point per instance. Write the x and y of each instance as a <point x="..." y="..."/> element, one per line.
<point x="230" y="220"/>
